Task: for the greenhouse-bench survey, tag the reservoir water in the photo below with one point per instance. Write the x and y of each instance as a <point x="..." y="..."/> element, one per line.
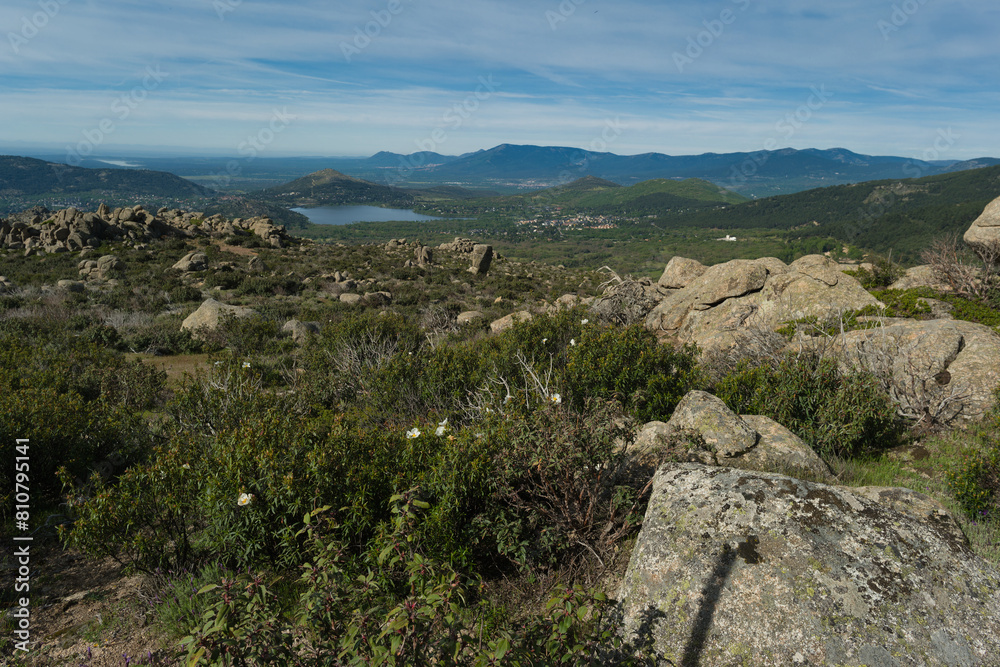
<point x="345" y="215"/>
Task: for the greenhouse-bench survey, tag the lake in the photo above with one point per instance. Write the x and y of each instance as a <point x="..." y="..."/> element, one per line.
<point x="345" y="215"/>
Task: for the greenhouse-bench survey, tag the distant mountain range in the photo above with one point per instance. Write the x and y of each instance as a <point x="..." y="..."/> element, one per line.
<point x="754" y="174"/>
<point x="513" y="168"/>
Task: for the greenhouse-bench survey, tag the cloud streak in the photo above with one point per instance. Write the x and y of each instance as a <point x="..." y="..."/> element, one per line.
<point x="936" y="69"/>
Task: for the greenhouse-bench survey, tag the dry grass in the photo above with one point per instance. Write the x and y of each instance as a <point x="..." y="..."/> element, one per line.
<point x="177" y="367"/>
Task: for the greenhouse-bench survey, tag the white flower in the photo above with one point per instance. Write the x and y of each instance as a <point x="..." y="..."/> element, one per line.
<point x="218" y="363"/>
<point x="439" y="431"/>
<point x="185" y="466"/>
<point x="544" y="341"/>
<point x="479" y="436"/>
<point x="555" y="398"/>
<point x="584" y="321"/>
<point x="572" y="341"/>
<point x="507" y="399"/>
<point x="246" y="364"/>
<point x="413" y="433"/>
<point x="443" y="423"/>
<point x="245" y="499"/>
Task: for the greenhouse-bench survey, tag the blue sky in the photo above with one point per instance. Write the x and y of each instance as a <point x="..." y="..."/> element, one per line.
<point x="917" y="78"/>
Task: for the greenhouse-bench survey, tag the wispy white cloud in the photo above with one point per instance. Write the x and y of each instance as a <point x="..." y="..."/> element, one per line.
<point x="561" y="73"/>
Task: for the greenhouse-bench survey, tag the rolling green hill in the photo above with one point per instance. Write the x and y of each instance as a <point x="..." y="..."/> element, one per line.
<point x="26" y="182"/>
<point x="328" y="187"/>
<point x="596" y="195"/>
<point x="899" y="215"/>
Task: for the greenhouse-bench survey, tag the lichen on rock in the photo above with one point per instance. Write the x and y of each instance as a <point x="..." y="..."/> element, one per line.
<point x="738" y="567"/>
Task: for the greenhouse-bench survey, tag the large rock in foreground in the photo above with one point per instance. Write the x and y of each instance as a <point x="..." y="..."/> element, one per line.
<point x="747" y="568"/>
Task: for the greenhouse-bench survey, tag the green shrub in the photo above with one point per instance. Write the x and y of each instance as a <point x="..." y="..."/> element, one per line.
<point x="348" y="360"/>
<point x="223" y="279"/>
<point x="629" y="365"/>
<point x="563" y="488"/>
<point x="269" y="286"/>
<point x="975" y="482"/>
<point x="78" y="404"/>
<point x="101" y="334"/>
<point x="835" y="412"/>
<point x="883" y="273"/>
<point x="184" y="294"/>
<point x="906" y="303"/>
<point x="404" y="609"/>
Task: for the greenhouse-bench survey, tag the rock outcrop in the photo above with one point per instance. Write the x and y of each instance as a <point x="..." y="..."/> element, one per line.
<point x="193" y="261"/>
<point x="482" y="257"/>
<point x="921" y="276"/>
<point x="710" y="433"/>
<point x="749" y="568"/>
<point x="106" y="267"/>
<point x="727" y="298"/>
<point x="70" y="229"/>
<point x="424" y="255"/>
<point x="210" y="315"/>
<point x="680" y="272"/>
<point x="940" y="369"/>
<point x="985" y="229"/>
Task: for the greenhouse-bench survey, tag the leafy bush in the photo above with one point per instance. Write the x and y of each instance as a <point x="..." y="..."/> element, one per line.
<point x="404" y="609"/>
<point x="78" y="406"/>
<point x="836" y="412"/>
<point x="562" y="486"/>
<point x="223" y="279"/>
<point x="184" y="294"/>
<point x="883" y="273"/>
<point x="906" y="303"/>
<point x="629" y="365"/>
<point x="976" y="481"/>
<point x="269" y="286"/>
